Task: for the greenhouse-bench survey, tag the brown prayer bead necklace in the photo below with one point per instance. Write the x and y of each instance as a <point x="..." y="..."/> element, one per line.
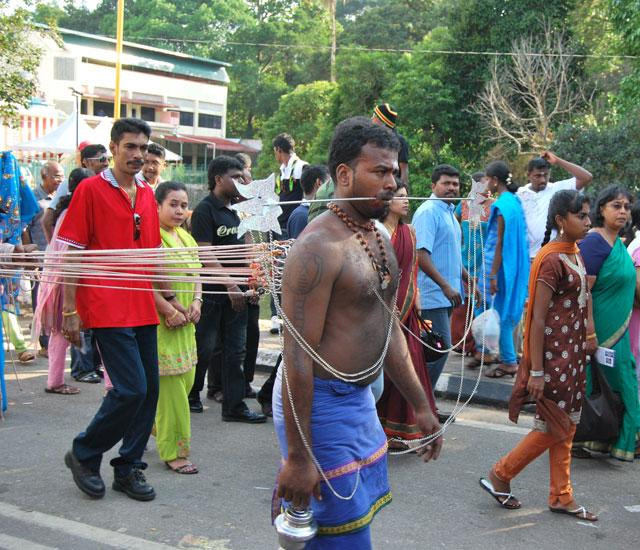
<point x="384" y="275"/>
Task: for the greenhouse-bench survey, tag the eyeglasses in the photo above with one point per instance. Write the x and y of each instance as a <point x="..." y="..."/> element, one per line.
<point x="137" y="221"/>
<point x="103" y="158"/>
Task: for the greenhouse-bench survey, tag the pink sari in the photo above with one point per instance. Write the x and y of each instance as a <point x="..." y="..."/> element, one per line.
<point x="48" y="313"/>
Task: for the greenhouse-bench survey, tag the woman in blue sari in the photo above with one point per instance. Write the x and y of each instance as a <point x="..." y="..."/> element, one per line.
<point x="506" y="255"/>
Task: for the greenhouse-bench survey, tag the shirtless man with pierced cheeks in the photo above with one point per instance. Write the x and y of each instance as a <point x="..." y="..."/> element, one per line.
<point x="328" y="296"/>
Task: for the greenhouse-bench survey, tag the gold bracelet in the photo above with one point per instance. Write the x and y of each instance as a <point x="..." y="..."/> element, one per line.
<point x="175" y="312"/>
<point x="70" y="313"/>
<point x="592" y="336"/>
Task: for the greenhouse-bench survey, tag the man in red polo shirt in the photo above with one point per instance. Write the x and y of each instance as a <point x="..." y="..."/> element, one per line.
<point x="113" y="210"/>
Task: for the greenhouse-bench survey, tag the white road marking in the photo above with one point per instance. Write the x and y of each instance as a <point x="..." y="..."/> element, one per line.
<point x="7" y="542"/>
<point x="505" y="529"/>
<point x="634" y="508"/>
<point x="80" y="530"/>
<point x="491" y="426"/>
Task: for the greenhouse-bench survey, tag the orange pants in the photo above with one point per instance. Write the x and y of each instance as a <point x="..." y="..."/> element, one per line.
<point x="531" y="447"/>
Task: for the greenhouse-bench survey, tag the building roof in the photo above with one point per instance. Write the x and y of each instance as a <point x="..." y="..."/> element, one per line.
<point x="211" y="142"/>
<point x="147" y="57"/>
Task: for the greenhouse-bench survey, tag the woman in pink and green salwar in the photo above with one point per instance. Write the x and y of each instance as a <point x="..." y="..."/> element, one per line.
<point x="177" y="354"/>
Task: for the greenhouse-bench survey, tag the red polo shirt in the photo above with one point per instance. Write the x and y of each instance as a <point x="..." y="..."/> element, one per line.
<point x="101" y="217"/>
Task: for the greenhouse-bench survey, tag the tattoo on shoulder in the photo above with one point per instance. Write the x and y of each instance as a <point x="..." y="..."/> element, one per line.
<point x="306" y="272"/>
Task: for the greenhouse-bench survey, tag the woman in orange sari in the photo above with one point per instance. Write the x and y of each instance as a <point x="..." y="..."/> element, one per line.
<point x="396" y="415"/>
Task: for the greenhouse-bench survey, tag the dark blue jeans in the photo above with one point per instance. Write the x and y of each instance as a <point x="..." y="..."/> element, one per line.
<point x="130" y="356"/>
<point x="83" y="360"/>
<point x="441" y="319"/>
<point x="43" y="339"/>
<point x="220" y="323"/>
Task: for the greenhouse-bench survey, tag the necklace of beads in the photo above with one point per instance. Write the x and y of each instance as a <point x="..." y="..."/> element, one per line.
<point x="382" y="269"/>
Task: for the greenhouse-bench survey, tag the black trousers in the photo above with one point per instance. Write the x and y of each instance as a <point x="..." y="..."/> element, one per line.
<point x="214" y="374"/>
<point x="221" y="326"/>
<point x="264" y="395"/>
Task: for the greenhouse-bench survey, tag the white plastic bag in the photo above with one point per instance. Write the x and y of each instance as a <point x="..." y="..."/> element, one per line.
<point x="487" y="326"/>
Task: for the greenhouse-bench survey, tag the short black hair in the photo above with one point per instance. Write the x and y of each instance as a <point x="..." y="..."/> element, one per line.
<point x="538" y="163"/>
<point x="608" y="194"/>
<point x="219" y="166"/>
<point x="477" y="176"/>
<point x="244" y="159"/>
<point x="129" y="125"/>
<point x="284" y="142"/>
<point x="157" y="150"/>
<point x="443" y="170"/>
<point x="166" y="187"/>
<point x="75" y="177"/>
<point x="351" y="135"/>
<point x="311" y="173"/>
<point x="92" y="151"/>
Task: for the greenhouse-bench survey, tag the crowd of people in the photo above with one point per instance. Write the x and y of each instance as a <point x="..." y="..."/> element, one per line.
<point x="550" y="261"/>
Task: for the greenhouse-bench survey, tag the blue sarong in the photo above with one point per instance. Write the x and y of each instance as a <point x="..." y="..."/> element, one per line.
<point x="345" y="433"/>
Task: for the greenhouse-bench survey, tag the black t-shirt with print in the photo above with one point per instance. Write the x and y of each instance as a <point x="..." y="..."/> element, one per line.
<point x="212" y="222"/>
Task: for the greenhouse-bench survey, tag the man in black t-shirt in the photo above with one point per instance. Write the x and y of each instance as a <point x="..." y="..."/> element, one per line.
<point x="224" y="316"/>
<point x="385" y="115"/>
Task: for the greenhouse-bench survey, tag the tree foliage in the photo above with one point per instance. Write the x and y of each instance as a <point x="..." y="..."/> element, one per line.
<point x="611" y="153"/>
<point x="411" y="53"/>
<point x="20" y="61"/>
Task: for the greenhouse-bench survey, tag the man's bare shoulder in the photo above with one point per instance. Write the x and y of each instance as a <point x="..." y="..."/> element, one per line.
<point x="315" y="255"/>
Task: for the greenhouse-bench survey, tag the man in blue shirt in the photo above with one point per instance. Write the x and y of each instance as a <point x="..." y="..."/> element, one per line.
<point x="441" y="274"/>
<point x="313" y="176"/>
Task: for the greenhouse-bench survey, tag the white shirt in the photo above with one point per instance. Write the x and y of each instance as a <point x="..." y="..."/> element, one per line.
<point x="286" y="169"/>
<point x="536" y="209"/>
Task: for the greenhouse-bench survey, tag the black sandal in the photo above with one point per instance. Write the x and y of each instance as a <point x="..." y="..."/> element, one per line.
<point x="580" y="513"/>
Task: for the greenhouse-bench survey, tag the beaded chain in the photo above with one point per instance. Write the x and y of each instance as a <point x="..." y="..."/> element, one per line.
<point x="382" y="270"/>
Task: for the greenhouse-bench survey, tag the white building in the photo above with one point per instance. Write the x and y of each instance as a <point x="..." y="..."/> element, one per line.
<point x="182" y="97"/>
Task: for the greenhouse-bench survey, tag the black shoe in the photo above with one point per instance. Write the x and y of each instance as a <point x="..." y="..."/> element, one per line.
<point x="134" y="485"/>
<point x="247" y="416"/>
<point x="443" y="417"/>
<point x="89" y="378"/>
<point x="87" y="481"/>
<point x="250" y="393"/>
<point x="196" y="406"/>
<point x="266" y="409"/>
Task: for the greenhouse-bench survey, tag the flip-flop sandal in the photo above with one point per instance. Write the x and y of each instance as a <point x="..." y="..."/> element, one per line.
<point x="63" y="390"/>
<point x="488" y="487"/>
<point x="580" y="513"/>
<point x="186" y="469"/>
<point x="499" y="372"/>
<point x="579" y="452"/>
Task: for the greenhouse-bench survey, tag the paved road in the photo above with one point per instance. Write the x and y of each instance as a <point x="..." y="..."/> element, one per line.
<point x="226" y="506"/>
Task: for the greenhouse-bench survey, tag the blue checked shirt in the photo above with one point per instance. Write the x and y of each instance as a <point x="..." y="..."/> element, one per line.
<point x="438" y="232"/>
